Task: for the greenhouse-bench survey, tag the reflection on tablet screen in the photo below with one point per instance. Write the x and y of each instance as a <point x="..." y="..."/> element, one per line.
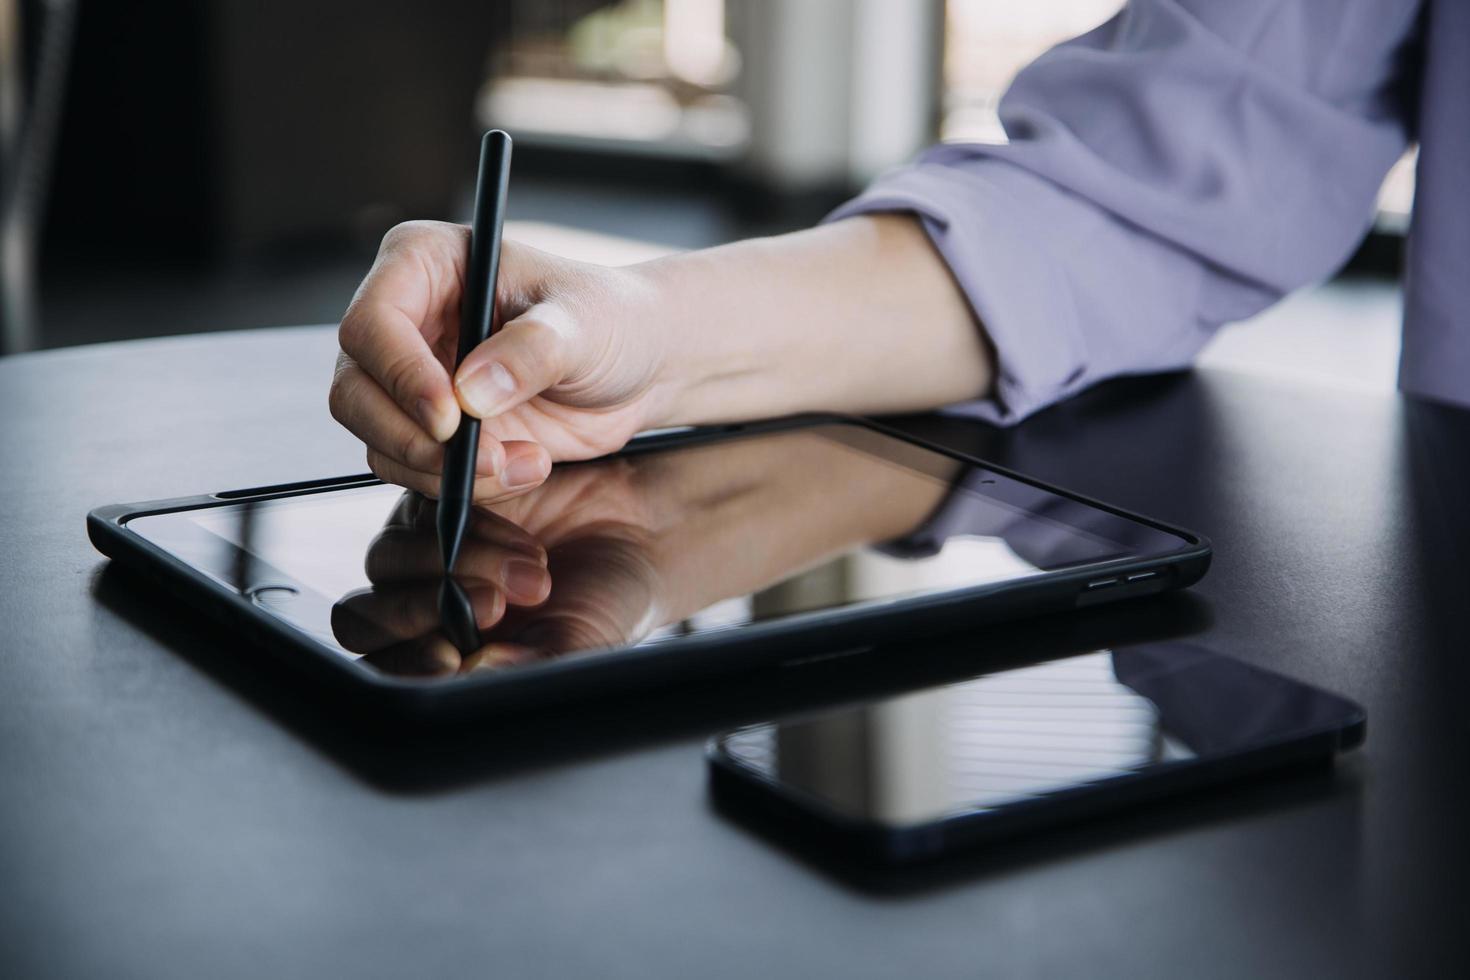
<point x="637" y="549"/>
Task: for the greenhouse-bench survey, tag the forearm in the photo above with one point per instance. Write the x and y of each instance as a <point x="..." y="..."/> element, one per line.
<point x="860" y="315"/>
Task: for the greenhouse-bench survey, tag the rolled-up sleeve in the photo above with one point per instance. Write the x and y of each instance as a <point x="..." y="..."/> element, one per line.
<point x="1182" y="166"/>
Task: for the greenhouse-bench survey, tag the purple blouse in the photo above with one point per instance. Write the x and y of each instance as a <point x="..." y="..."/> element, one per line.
<point x="1187" y="164"/>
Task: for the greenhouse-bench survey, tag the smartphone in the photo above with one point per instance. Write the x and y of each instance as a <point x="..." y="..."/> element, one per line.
<point x="915" y="776"/>
<point x="686" y="554"/>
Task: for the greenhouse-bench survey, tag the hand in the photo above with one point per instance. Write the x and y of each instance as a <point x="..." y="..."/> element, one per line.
<point x="571" y="373"/>
<point x="860" y="315"/>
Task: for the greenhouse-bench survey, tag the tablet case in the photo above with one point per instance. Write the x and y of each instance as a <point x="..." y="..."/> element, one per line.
<point x="702" y="655"/>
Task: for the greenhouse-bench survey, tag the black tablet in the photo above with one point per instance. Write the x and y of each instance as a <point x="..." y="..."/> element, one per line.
<point x="685" y="554"/>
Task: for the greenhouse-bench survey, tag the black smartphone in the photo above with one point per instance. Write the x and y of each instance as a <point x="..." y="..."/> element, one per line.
<point x="687" y="553"/>
<point x="912" y="777"/>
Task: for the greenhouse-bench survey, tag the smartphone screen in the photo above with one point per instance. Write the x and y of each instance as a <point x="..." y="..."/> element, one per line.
<point x="641" y="548"/>
<point x="1014" y="740"/>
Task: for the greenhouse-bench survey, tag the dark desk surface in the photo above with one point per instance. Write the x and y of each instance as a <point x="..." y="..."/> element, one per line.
<point x="169" y="809"/>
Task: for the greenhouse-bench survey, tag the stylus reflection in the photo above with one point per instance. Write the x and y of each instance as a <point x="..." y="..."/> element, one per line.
<point x="457" y="617"/>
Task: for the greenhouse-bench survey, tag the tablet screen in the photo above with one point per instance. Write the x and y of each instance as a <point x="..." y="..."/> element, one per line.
<point x="640" y="548"/>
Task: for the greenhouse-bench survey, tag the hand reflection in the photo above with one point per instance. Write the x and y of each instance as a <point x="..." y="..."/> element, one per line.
<point x="585" y="528"/>
<point x="602" y="542"/>
<point x="396" y="623"/>
<point x="631" y="544"/>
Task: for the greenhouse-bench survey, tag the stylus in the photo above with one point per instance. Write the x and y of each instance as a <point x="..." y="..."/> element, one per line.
<point x="476" y="321"/>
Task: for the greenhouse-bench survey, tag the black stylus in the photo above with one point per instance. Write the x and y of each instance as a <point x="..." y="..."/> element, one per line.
<point x="476" y="320"/>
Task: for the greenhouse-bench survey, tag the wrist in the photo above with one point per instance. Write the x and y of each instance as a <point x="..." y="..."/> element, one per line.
<point x="688" y="331"/>
<point x="859" y="315"/>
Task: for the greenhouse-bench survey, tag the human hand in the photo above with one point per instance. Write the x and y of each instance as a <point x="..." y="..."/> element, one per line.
<point x="587" y="355"/>
<point x="572" y="371"/>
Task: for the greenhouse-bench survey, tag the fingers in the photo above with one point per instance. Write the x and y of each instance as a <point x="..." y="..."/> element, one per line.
<point x="524" y="358"/>
<point x="498" y="656"/>
<point x="366" y="410"/>
<point x="526" y="467"/>
<point x="399" y="555"/>
<point x="432" y="655"/>
<point x="376" y="619"/>
<point x="407" y="304"/>
<point x="392" y="388"/>
<point x="605" y="596"/>
<point x="436" y="656"/>
<point x="419" y="514"/>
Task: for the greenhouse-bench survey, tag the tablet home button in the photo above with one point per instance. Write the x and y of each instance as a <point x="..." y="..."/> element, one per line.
<point x="272" y="595"/>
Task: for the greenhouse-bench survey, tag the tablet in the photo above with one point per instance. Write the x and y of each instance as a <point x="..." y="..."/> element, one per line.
<point x="685" y="554"/>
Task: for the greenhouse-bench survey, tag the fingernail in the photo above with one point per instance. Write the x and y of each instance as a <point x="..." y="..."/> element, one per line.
<point x="427" y="415"/>
<point x="486" y="387"/>
<point x="523" y="471"/>
<point x="488" y="458"/>
<point x="524" y="579"/>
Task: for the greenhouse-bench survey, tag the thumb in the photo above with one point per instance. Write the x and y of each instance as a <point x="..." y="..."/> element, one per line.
<point x="524" y="358"/>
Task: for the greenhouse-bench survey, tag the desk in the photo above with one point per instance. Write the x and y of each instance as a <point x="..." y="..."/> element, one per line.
<point x="169" y="810"/>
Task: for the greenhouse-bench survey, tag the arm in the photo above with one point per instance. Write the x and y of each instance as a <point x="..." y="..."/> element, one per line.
<point x="856" y="316"/>
<point x="859" y="315"/>
<point x="1183" y="165"/>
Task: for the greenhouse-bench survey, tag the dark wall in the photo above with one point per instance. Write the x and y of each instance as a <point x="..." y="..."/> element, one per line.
<point x="196" y="130"/>
<point x="133" y="157"/>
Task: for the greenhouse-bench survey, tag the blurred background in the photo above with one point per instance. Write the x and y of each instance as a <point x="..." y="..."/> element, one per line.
<point x="177" y="166"/>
